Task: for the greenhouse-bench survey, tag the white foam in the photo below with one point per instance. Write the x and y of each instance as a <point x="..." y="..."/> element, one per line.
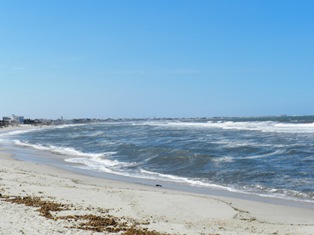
<point x="18" y="132"/>
<point x="267" y="126"/>
<point x="277" y="152"/>
<point x="89" y="165"/>
<point x="96" y="134"/>
<point x="68" y="125"/>
<point x="104" y="165"/>
<point x="223" y="159"/>
<point x="278" y="193"/>
<point x="95" y="161"/>
<point x="61" y="150"/>
<point x="178" y="179"/>
<point x="271" y="193"/>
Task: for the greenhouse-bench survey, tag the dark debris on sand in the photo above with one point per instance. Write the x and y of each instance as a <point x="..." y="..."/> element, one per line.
<point x="89" y="222"/>
<point x="45" y="207"/>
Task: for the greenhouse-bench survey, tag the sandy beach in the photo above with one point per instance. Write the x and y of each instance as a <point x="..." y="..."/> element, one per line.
<point x="41" y="199"/>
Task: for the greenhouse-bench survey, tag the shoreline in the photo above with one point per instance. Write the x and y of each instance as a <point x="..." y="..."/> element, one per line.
<point x="26" y="154"/>
<point x="153" y="208"/>
<point x="40" y="156"/>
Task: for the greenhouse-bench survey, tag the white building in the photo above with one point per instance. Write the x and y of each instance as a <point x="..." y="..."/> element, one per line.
<point x="18" y="119"/>
<point x="7" y="119"/>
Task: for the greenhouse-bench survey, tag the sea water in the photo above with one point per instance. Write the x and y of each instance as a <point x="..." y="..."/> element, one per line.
<point x="265" y="157"/>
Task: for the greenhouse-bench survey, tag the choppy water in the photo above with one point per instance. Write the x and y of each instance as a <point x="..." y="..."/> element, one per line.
<point x="266" y="157"/>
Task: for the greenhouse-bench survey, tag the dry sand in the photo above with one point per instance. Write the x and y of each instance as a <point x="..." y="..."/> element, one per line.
<point x="41" y="199"/>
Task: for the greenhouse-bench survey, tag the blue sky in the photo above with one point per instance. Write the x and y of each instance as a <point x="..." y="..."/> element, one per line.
<point x="111" y="58"/>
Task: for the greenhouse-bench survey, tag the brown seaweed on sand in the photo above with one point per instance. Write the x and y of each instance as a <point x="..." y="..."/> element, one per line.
<point x="89" y="222"/>
<point x="45" y="207"/>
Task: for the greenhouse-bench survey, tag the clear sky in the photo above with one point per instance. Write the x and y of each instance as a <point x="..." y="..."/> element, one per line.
<point x="165" y="58"/>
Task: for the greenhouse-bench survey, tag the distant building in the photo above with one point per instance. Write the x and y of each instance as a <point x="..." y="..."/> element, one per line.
<point x="14" y="120"/>
<point x="18" y="119"/>
<point x="2" y="123"/>
<point x="7" y="120"/>
<point x="29" y="121"/>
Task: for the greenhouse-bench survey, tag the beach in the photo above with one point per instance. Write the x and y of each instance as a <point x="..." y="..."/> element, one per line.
<point x="42" y="199"/>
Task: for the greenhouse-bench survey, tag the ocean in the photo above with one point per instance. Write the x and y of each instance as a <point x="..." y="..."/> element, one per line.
<point x="270" y="157"/>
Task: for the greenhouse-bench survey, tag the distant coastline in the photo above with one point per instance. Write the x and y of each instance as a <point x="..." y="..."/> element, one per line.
<point x="13" y="121"/>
